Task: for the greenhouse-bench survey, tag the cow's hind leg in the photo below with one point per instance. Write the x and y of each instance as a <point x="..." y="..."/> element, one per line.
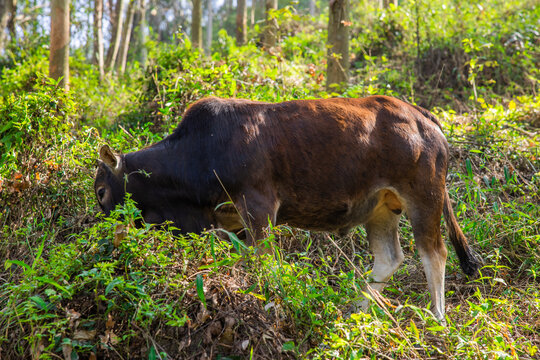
<point x="425" y="217"/>
<point x="382" y="234"/>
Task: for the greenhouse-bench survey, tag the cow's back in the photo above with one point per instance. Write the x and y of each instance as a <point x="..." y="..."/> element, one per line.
<point x="325" y="159"/>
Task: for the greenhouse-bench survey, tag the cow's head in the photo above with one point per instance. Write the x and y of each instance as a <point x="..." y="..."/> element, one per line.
<point x="109" y="182"/>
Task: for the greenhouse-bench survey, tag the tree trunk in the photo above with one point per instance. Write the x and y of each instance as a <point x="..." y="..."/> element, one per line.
<point x="7" y="14"/>
<point x="118" y="23"/>
<point x="142" y="33"/>
<point x="241" y="22"/>
<point x="252" y="13"/>
<point x="110" y="9"/>
<point x="271" y="26"/>
<point x="312" y="7"/>
<point x="126" y="37"/>
<point x="12" y="20"/>
<point x="338" y="44"/>
<point x="209" y="27"/>
<point x="59" y="47"/>
<point x="196" y="27"/>
<point x="98" y="38"/>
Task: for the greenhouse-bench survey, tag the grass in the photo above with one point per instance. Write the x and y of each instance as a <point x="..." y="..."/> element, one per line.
<point x="76" y="285"/>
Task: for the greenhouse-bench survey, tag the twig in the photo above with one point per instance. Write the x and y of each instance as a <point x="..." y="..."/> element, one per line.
<point x="525" y="132"/>
<point x="127" y="132"/>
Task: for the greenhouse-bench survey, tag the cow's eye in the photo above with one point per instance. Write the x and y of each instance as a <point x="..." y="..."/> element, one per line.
<point x="101" y="194"/>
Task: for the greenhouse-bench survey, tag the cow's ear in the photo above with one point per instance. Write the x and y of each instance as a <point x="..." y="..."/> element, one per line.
<point x="109" y="157"/>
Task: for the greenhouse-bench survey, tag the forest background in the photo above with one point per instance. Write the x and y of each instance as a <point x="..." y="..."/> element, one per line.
<point x="75" y="75"/>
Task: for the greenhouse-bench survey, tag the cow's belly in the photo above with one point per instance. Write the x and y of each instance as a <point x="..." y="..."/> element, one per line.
<point x="333" y="216"/>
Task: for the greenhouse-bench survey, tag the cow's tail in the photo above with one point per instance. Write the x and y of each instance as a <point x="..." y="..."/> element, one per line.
<point x="470" y="261"/>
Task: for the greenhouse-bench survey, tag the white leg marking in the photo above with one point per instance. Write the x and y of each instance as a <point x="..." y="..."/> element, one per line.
<point x="434" y="268"/>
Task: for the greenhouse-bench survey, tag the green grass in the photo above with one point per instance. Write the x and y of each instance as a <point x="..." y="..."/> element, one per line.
<point x="83" y="285"/>
<point x="74" y="284"/>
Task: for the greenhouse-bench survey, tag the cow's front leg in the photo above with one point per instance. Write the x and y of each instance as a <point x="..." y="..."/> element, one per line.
<point x="257" y="209"/>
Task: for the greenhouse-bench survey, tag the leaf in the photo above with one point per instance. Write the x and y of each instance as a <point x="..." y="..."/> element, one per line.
<point x="288" y="346"/>
<point x="110" y="322"/>
<point x="152" y="353"/>
<point x="46" y="280"/>
<point x="223" y="203"/>
<point x="237" y="243"/>
<point x="233" y="87"/>
<point x="250" y="289"/>
<point x="468" y="165"/>
<point x="200" y="289"/>
<point x="415" y="331"/>
<point x="244" y="344"/>
<point x="40" y="303"/>
<point x="119" y="235"/>
<point x="84" y="335"/>
<point x="113" y="284"/>
<point x="8" y="264"/>
<point x="109" y="338"/>
<point x="258" y="296"/>
<point x="213" y="248"/>
<point x="436" y="328"/>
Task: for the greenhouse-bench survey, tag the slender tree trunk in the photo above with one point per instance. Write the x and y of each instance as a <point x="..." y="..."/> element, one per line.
<point x="241" y="22"/>
<point x="98" y="38"/>
<point x="196" y="24"/>
<point x="338" y="43"/>
<point x="59" y="47"/>
<point x="271" y="26"/>
<point x="112" y="14"/>
<point x="252" y="13"/>
<point x="12" y="20"/>
<point x="312" y="7"/>
<point x="126" y="38"/>
<point x="112" y="53"/>
<point x="142" y="33"/>
<point x="89" y="48"/>
<point x="209" y="29"/>
<point x="6" y="11"/>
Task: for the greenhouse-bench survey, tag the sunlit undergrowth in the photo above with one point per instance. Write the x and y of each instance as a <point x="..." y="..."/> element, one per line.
<point x="73" y="286"/>
<point x="76" y="285"/>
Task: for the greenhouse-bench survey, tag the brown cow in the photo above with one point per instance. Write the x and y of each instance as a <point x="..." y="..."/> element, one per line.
<point x="326" y="165"/>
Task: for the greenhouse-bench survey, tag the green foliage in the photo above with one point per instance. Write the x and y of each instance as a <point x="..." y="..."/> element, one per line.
<point x="181" y="75"/>
<point x="26" y="67"/>
<point x="78" y="285"/>
<point x="111" y="266"/>
<point x="443" y="51"/>
<point x="32" y="120"/>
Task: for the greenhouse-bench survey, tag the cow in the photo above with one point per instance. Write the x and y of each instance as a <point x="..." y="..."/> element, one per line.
<point x="324" y="165"/>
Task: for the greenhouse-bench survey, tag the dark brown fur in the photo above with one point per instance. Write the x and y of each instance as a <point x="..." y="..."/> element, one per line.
<point x="325" y="165"/>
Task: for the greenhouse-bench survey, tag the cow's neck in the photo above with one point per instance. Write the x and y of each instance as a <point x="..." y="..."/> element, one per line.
<point x="154" y="163"/>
